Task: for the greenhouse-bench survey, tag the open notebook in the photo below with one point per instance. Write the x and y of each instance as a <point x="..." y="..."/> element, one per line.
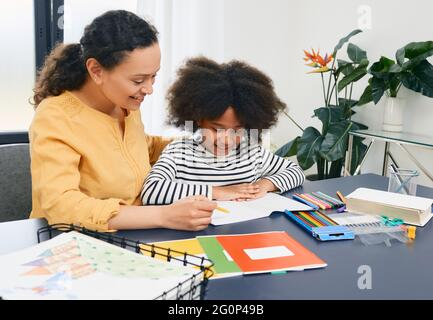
<point x="239" y="211"/>
<point x="239" y="254"/>
<point x="75" y="266"/>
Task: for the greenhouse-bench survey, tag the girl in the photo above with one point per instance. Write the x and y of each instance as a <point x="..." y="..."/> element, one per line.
<point x="88" y="146"/>
<point x="229" y="105"/>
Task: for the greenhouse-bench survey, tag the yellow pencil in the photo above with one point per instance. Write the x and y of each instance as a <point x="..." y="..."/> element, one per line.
<point x="342" y="198"/>
<point x="222" y="210"/>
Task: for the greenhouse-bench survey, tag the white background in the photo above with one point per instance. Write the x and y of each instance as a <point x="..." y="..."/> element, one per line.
<point x="269" y="34"/>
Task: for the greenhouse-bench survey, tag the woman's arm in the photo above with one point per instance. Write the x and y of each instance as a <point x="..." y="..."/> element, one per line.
<point x="193" y="213"/>
<point x="56" y="177"/>
<point x="156" y="145"/>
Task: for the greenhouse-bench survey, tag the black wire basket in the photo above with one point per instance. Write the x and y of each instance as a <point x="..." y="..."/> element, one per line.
<point x="194" y="288"/>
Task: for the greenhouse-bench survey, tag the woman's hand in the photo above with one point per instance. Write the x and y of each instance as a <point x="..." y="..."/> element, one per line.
<point x="191" y="214"/>
<point x="235" y="192"/>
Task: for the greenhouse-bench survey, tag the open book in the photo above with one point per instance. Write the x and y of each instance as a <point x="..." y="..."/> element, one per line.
<point x="239" y="254"/>
<point x="411" y="209"/>
<point x="237" y="211"/>
<point x="76" y="266"/>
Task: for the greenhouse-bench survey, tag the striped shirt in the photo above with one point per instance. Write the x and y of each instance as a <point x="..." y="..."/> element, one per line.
<point x="186" y="168"/>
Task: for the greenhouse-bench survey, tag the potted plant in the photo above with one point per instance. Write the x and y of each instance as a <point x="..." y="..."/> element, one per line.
<point x="327" y="147"/>
<point x="411" y="70"/>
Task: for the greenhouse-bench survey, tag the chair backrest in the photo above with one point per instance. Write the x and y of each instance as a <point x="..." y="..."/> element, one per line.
<point x="15" y="182"/>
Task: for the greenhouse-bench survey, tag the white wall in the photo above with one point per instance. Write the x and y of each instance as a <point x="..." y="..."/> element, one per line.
<point x="269" y="34"/>
<point x="17" y="64"/>
<point x="272" y="34"/>
<point x="79" y="13"/>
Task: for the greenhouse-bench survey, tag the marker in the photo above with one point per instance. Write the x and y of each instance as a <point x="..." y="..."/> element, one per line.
<point x="222" y="210"/>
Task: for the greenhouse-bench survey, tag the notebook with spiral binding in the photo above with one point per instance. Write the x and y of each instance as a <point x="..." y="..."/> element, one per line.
<point x="83" y="264"/>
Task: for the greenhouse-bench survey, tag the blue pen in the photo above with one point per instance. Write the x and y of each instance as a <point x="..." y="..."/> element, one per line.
<point x="295" y="197"/>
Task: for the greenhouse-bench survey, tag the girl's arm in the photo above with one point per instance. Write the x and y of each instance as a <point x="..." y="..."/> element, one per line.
<point x="160" y="186"/>
<point x="282" y="173"/>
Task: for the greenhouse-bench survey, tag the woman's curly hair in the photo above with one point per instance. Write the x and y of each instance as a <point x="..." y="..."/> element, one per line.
<point x="205" y="89"/>
<point x="108" y="39"/>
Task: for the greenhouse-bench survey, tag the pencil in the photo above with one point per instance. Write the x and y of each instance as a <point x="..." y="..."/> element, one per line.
<point x="340" y="195"/>
<point x="222" y="210"/>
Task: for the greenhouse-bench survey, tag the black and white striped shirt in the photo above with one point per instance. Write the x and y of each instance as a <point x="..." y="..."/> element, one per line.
<point x="186" y="168"/>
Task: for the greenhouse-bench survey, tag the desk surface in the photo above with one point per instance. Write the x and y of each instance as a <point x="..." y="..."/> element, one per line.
<point x="401" y="271"/>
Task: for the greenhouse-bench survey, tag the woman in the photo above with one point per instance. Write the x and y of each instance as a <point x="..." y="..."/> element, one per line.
<point x="89" y="152"/>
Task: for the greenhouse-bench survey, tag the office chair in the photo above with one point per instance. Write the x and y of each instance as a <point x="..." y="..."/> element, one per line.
<point x="15" y="179"/>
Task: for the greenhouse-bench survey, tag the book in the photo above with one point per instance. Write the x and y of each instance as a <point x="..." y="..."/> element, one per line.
<point x="75" y="266"/>
<point x="411" y="209"/>
<point x="238" y="211"/>
<point x="240" y="254"/>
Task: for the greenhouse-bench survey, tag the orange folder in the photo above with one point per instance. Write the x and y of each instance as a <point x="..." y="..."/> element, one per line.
<point x="238" y="245"/>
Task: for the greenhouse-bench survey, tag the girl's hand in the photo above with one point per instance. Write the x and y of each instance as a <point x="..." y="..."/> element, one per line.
<point x="235" y="192"/>
<point x="264" y="186"/>
<point x="191" y="214"/>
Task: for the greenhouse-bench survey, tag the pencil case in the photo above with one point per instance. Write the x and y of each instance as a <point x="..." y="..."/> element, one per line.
<point x="320" y="226"/>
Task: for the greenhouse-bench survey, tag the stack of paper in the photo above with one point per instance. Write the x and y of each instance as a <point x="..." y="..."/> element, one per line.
<point x="75" y="266"/>
<point x="411" y="209"/>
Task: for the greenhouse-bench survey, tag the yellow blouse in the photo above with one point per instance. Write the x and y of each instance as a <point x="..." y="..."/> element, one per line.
<point x="82" y="168"/>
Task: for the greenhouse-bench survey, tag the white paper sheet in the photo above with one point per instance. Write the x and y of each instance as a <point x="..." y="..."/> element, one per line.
<point x="255" y="209"/>
<point x="268" y="252"/>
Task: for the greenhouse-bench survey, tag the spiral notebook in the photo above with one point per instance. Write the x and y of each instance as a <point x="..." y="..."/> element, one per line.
<point x="75" y="266"/>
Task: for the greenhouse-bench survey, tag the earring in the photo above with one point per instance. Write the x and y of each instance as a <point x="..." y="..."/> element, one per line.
<point x="198" y="137"/>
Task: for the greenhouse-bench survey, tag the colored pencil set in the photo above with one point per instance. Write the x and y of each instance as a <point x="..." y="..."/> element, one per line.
<point x="318" y="200"/>
<point x="320" y="226"/>
<point x="314" y="219"/>
<point x="317" y="223"/>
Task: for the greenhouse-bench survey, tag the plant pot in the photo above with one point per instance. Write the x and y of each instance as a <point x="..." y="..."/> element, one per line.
<point x="393" y="114"/>
<point x="312" y="177"/>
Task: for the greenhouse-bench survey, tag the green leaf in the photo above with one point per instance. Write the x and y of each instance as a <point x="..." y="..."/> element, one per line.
<point x="308" y="147"/>
<point x="359" y="72"/>
<point x="335" y="141"/>
<point x="358" y="126"/>
<point x="366" y="96"/>
<point x="380" y="69"/>
<point x="344" y="40"/>
<point x="344" y="67"/>
<point x="412" y="63"/>
<point x="378" y="88"/>
<point x="399" y="56"/>
<point x="289" y="149"/>
<point x="416" y="49"/>
<point x="358" y="152"/>
<point x="335" y="170"/>
<point x="420" y="79"/>
<point x="355" y="53"/>
<point x="346" y="105"/>
<point x="328" y="116"/>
